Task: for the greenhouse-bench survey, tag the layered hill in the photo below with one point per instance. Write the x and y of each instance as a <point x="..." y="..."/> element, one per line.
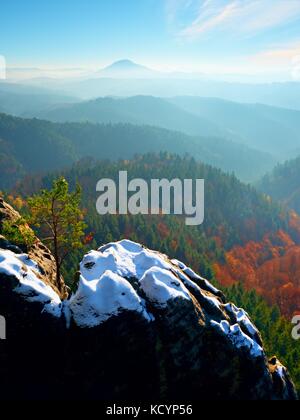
<point x="266" y="128"/>
<point x="136" y="110"/>
<point x="18" y="100"/>
<point x="169" y="85"/>
<point x="29" y="146"/>
<point x="269" y="129"/>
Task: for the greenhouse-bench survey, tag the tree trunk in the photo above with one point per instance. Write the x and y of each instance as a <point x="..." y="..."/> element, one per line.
<point x="57" y="262"/>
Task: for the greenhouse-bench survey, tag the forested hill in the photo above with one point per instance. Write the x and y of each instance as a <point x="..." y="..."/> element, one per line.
<point x="261" y="126"/>
<point x="229" y="203"/>
<point x="244" y="238"/>
<point x="255" y="125"/>
<point x="30" y="145"/>
<point x="283" y="183"/>
<point x="18" y="100"/>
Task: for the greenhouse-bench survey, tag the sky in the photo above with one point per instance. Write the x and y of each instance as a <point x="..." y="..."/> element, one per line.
<point x="207" y="36"/>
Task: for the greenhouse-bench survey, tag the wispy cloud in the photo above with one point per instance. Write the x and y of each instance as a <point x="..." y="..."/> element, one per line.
<point x="234" y="16"/>
<point x="209" y="18"/>
<point x="174" y="8"/>
<point x="265" y="14"/>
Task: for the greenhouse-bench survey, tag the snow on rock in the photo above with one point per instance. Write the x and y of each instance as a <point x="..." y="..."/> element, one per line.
<point x="118" y="277"/>
<point x="131" y="260"/>
<point x="97" y="299"/>
<point x="105" y="289"/>
<point x="242" y="318"/>
<point x="160" y="285"/>
<point x="30" y="287"/>
<point x="213" y="301"/>
<point x="191" y="273"/>
<point x="238" y="338"/>
<point x="126" y="258"/>
<point x="281" y="371"/>
<point x="186" y="280"/>
<point x="235" y="333"/>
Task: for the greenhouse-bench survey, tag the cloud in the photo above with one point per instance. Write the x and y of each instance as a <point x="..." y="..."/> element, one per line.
<point x="269" y="14"/>
<point x="276" y="60"/>
<point x="174" y="8"/>
<point x="206" y="20"/>
<point x="277" y="56"/>
<point x="247" y="17"/>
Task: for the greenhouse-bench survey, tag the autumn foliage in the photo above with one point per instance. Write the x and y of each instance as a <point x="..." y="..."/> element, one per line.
<point x="271" y="267"/>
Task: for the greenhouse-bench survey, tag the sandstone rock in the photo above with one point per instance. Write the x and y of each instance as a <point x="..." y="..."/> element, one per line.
<point x="38" y="252"/>
<point x="140" y="326"/>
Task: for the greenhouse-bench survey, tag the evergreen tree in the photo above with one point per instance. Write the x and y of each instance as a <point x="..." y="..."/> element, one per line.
<point x="57" y="214"/>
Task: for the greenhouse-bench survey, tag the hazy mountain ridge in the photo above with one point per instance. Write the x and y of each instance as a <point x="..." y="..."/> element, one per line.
<point x="20" y="100"/>
<point x="269" y="129"/>
<point x="285" y="94"/>
<point x="58" y="145"/>
<point x="137" y="110"/>
<point x="127" y="78"/>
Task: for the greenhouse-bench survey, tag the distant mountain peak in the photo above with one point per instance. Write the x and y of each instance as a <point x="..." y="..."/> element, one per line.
<point x="126" y="68"/>
<point x="124" y="63"/>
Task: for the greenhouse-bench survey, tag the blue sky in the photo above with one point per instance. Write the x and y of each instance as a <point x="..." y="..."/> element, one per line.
<point x="238" y="36"/>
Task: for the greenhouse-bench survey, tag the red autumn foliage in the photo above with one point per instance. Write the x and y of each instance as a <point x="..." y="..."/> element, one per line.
<point x="163" y="230"/>
<point x="88" y="238"/>
<point x="271" y="266"/>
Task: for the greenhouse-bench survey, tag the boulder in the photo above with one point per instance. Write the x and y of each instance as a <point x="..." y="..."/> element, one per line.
<point x="140" y="326"/>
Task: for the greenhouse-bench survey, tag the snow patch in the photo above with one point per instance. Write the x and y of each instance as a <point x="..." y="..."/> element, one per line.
<point x="213" y="301"/>
<point x="238" y="338"/>
<point x="191" y="273"/>
<point x="96" y="300"/>
<point x="187" y="281"/>
<point x="242" y="318"/>
<point x="105" y="289"/>
<point x="160" y="285"/>
<point x="281" y="371"/>
<point x="30" y="287"/>
<point x="127" y="259"/>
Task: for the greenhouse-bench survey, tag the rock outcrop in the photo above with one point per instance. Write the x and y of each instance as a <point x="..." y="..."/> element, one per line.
<point x="38" y="252"/>
<point x="140" y="326"/>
